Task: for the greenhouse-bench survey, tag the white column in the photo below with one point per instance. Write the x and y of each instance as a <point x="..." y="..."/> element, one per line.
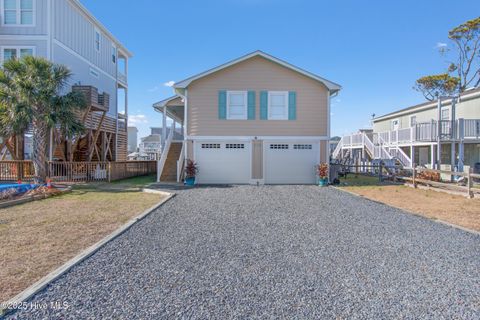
<point x="439" y="134"/>
<point x="164" y="126"/>
<point x="174" y="126"/>
<point x="461" y="133"/>
<point x="412" y="155"/>
<point x="432" y="156"/>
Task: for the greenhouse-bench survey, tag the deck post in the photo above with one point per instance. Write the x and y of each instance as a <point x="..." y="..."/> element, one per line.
<point x="414" y="176"/>
<point x="439" y="134"/>
<point x="469" y="183"/>
<point x="380" y="167"/>
<point x="461" y="133"/>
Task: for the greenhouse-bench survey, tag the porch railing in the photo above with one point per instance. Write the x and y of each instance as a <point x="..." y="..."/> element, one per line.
<point x="73" y="172"/>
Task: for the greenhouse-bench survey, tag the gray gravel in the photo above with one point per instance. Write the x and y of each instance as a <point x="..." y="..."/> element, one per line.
<point x="273" y="252"/>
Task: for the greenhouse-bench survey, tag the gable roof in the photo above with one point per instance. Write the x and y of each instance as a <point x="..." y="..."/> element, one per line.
<point x="332" y="86"/>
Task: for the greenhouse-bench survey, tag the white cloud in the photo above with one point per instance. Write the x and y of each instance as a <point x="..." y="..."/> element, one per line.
<point x="169" y="83"/>
<point x="441" y="45"/>
<point x="154" y="89"/>
<point x="137" y="119"/>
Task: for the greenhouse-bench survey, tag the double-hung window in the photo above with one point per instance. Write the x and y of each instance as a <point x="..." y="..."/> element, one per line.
<point x="277" y="105"/>
<point x="114" y="54"/>
<point x="97" y="40"/>
<point x="18" y="12"/>
<point x="445" y="115"/>
<point x="237" y="105"/>
<point x="16" y="52"/>
<point x="413" y="121"/>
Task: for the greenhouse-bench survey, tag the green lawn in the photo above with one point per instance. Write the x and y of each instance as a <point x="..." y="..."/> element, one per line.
<point x="360" y="180"/>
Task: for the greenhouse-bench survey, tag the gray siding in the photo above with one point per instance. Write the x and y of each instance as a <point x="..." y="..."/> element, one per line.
<point x="81" y="74"/>
<point x="467" y="109"/>
<point x="76" y="31"/>
<point x="40" y="27"/>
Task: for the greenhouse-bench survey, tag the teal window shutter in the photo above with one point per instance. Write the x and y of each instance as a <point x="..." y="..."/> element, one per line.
<point x="251" y="105"/>
<point x="292" y="105"/>
<point x="222" y="104"/>
<point x="263" y="105"/>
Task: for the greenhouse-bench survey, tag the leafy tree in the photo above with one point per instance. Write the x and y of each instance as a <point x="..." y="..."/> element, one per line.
<point x="438" y="85"/>
<point x="461" y="74"/>
<point x="466" y="38"/>
<point x="31" y="97"/>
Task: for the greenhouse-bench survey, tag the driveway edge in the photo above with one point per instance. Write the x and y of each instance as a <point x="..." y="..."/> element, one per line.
<point x="22" y="297"/>
<point x="413" y="213"/>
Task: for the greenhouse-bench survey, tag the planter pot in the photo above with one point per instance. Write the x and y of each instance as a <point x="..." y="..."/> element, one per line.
<point x="190" y="181"/>
<point x="323" y="182"/>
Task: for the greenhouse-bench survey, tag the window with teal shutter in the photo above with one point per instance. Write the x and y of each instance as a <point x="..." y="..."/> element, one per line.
<point x="251" y="105"/>
<point x="263" y="105"/>
<point x="292" y="105"/>
<point x="222" y="104"/>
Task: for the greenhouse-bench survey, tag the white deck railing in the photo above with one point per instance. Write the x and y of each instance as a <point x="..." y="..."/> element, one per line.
<point x="180" y="162"/>
<point x="402" y="156"/>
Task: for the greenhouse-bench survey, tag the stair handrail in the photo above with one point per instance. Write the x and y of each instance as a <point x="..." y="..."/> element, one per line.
<point x="384" y="152"/>
<point x="180" y="162"/>
<point x="368" y="144"/>
<point x="337" y="148"/>
<point x="403" y="157"/>
<point x="163" y="157"/>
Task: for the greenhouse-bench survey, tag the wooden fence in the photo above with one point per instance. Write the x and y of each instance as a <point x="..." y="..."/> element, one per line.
<point x="441" y="180"/>
<point x="78" y="171"/>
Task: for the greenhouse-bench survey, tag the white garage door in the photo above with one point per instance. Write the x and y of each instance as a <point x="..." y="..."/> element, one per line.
<point x="223" y="162"/>
<point x="291" y="163"/>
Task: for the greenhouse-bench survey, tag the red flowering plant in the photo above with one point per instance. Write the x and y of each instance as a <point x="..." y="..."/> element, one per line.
<point x="191" y="169"/>
<point x="322" y="170"/>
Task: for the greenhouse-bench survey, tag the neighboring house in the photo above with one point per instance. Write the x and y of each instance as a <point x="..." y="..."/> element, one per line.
<point x="256" y="119"/>
<point x="65" y="32"/>
<point x="150" y="147"/>
<point x="411" y="135"/>
<point x="132" y="139"/>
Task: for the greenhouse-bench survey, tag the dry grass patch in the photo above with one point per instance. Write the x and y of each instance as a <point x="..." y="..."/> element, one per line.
<point x="37" y="237"/>
<point x="454" y="209"/>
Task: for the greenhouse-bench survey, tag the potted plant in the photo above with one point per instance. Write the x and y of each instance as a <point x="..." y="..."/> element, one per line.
<point x="191" y="171"/>
<point x="322" y="173"/>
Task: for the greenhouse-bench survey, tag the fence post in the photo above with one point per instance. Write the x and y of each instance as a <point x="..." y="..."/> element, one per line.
<point x="380" y="166"/>
<point x="109" y="172"/>
<point x="414" y="176"/>
<point x="469" y="183"/>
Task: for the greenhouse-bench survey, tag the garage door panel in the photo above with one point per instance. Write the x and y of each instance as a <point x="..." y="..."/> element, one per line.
<point x="223" y="162"/>
<point x="291" y="163"/>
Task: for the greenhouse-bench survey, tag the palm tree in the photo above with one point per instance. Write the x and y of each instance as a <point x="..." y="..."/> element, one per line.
<point x="31" y="97"/>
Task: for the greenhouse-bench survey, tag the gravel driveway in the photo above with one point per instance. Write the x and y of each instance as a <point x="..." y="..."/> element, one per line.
<point x="273" y="252"/>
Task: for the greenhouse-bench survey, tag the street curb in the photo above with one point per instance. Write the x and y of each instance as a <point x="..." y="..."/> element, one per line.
<point x="54" y="275"/>
<point x="412" y="213"/>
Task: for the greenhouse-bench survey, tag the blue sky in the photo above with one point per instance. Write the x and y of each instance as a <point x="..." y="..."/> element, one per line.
<point x="374" y="49"/>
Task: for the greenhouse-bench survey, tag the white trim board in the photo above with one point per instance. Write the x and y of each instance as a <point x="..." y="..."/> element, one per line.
<point x="40" y="37"/>
<point x="269" y="138"/>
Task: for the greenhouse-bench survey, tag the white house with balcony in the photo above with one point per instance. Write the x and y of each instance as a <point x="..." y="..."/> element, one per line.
<point x="65" y="32"/>
<point x="447" y="137"/>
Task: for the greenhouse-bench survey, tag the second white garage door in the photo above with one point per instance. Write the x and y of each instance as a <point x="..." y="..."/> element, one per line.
<point x="290" y="163"/>
<point x="223" y="162"/>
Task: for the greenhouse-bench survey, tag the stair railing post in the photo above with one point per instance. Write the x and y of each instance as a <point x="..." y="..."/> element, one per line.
<point x="469" y="183"/>
<point x="414" y="176"/>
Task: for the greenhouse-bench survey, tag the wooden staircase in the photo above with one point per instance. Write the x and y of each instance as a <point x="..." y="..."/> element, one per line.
<point x="169" y="173"/>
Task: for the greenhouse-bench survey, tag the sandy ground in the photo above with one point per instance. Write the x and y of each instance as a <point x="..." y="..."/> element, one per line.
<point x="37" y="237"/>
<point x="454" y="209"/>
